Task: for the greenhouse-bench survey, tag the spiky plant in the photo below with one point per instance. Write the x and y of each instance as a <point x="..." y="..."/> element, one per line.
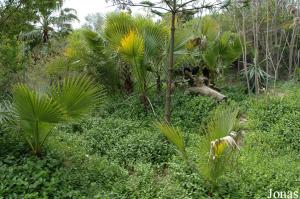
<point x="36" y="112"/>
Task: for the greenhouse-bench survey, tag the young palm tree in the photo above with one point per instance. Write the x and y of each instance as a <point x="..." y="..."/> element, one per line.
<point x="132" y="50"/>
<point x="217" y="146"/>
<point x="155" y="37"/>
<point x="36" y="112"/>
<point x="115" y="28"/>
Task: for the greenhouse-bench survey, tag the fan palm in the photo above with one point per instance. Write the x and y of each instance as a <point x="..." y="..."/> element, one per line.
<point x="174" y="135"/>
<point x="220" y="140"/>
<point x="223" y="51"/>
<point x="216" y="146"/>
<point x="132" y="50"/>
<point x="155" y="37"/>
<point x="36" y="112"/>
<point x="115" y="28"/>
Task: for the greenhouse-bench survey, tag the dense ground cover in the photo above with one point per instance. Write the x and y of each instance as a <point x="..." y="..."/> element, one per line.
<point x="118" y="153"/>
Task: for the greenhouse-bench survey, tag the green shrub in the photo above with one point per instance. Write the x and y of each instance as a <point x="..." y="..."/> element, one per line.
<point x="259" y="171"/>
<point x="127" y="141"/>
<point x="67" y="172"/>
<point x="148" y="182"/>
<point x="266" y="112"/>
<point x="287" y="129"/>
<point x="189" y="112"/>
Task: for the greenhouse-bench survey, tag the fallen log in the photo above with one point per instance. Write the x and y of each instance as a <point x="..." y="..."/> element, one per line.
<point x="206" y="91"/>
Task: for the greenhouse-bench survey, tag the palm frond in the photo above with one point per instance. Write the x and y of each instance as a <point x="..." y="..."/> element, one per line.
<point x="5" y="112"/>
<point x="132" y="50"/>
<point x="222" y="122"/>
<point x="116" y="26"/>
<point x="182" y="37"/>
<point x="77" y="96"/>
<point x="155" y="36"/>
<point x="94" y="41"/>
<point x="30" y="105"/>
<point x="174" y="135"/>
<point x="209" y="27"/>
<point x="132" y="46"/>
<point x="211" y="55"/>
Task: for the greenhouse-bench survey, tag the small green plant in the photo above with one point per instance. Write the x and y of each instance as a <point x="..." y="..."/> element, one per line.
<point x="217" y="146"/>
<point x="35" y="112"/>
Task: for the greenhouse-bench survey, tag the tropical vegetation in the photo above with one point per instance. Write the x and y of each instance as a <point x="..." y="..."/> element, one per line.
<point x="187" y="99"/>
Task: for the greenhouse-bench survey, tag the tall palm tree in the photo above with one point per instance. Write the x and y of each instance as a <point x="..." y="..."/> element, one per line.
<point x="48" y="24"/>
<point x="36" y="111"/>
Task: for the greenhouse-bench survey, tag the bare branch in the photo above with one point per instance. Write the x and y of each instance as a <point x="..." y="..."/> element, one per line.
<point x="184" y="4"/>
<point x="207" y="6"/>
<point x="146" y="6"/>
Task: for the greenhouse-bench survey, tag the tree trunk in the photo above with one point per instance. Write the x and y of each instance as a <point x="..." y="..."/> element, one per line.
<point x="170" y="69"/>
<point x="245" y="55"/>
<point x="158" y="85"/>
<point x="267" y="48"/>
<point x="291" y="51"/>
<point x="128" y="83"/>
<point x="45" y="35"/>
<point x="206" y="91"/>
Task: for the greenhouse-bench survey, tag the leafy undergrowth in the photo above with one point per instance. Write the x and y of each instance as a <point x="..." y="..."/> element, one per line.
<point x="118" y="153"/>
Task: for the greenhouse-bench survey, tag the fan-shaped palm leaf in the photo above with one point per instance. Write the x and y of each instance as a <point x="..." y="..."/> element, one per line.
<point x="132" y="47"/>
<point x="35" y="113"/>
<point x="77" y="96"/>
<point x="174" y="135"/>
<point x="209" y="27"/>
<point x="32" y="106"/>
<point x="116" y="26"/>
<point x="155" y="36"/>
<point x="222" y="123"/>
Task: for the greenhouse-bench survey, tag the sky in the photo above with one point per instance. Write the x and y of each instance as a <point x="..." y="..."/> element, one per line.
<point x="85" y="7"/>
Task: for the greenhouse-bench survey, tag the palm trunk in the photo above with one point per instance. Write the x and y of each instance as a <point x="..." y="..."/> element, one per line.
<point x="158" y="85"/>
<point x="170" y="70"/>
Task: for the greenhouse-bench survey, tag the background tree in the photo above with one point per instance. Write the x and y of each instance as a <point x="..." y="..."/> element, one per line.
<point x="94" y="22"/>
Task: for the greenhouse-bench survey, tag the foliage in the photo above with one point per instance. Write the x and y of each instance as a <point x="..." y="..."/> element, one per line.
<point x="119" y="154"/>
<point x="125" y="141"/>
<point x="35" y="112"/>
<point x="12" y="63"/>
<point x="223" y="51"/>
<point x="217" y="145"/>
<point x="60" y="173"/>
<point x="174" y="135"/>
